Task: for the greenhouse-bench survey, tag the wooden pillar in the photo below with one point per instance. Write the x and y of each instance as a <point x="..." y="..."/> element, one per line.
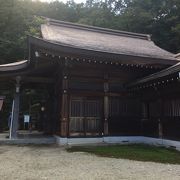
<point x="15" y="111"/>
<point x="64" y="103"/>
<point x="145" y="116"/>
<point x="49" y="113"/>
<point x="160" y="126"/>
<point x="106" y="105"/>
<point x="54" y="110"/>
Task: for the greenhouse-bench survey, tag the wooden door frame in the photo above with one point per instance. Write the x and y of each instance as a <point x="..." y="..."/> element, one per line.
<point x="84" y="99"/>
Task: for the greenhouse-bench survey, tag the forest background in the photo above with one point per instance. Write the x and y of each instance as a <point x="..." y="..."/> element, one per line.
<point x="20" y="18"/>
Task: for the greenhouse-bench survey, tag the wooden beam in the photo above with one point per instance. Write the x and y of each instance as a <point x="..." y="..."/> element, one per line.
<point x="38" y="80"/>
<point x="83" y="78"/>
<point x="86" y="79"/>
<point x="73" y="92"/>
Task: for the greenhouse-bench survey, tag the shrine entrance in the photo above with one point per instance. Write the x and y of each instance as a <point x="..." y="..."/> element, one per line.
<point x="34" y="104"/>
<point x="34" y="111"/>
<point x="85" y="116"/>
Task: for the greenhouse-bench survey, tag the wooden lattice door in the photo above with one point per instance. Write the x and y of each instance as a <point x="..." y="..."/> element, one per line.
<point x="85" y="117"/>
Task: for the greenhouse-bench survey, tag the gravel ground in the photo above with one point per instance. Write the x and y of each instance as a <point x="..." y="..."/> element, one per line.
<point x="54" y="163"/>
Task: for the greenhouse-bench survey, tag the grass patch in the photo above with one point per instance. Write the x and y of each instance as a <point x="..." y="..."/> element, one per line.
<point x="133" y="152"/>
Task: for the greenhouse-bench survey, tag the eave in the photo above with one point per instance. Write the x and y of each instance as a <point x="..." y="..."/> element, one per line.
<point x="16" y="66"/>
<point x="161" y="75"/>
<point x="58" y="49"/>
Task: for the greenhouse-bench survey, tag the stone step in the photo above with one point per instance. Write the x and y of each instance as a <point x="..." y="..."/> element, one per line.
<point x="49" y="140"/>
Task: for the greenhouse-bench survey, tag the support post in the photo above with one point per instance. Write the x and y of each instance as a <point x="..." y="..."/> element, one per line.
<point x="145" y="116"/>
<point x="64" y="103"/>
<point x="160" y="129"/>
<point x="15" y="110"/>
<point x="160" y="126"/>
<point x="106" y="105"/>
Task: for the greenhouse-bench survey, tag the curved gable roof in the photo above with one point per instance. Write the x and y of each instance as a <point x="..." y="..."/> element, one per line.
<point x="103" y="40"/>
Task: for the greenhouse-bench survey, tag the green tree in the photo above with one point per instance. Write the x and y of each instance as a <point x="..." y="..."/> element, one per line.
<point x="16" y="23"/>
<point x="161" y="18"/>
<point x="19" y="18"/>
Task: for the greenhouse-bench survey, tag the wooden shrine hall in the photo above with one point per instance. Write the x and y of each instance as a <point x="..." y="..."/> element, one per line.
<point x="100" y="83"/>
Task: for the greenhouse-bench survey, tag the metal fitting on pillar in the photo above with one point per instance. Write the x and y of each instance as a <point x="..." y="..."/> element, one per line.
<point x="65" y="91"/>
<point x="17" y="88"/>
<point x="18" y="79"/>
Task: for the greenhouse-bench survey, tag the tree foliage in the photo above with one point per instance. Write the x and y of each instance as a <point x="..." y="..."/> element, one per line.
<point x="19" y="18"/>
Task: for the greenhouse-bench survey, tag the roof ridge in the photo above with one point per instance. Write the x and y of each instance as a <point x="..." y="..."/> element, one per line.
<point x="98" y="29"/>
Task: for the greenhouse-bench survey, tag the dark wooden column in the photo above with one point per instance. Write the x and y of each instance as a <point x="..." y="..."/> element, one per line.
<point x="65" y="102"/>
<point x="55" y="111"/>
<point x="106" y="104"/>
<point x="144" y="115"/>
<point x="15" y="110"/>
<point x="160" y="126"/>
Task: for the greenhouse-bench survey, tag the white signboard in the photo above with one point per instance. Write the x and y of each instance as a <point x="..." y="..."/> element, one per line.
<point x="26" y="118"/>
